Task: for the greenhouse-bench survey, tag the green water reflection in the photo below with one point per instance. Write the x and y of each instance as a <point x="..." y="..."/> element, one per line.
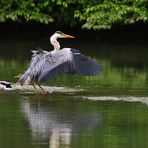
<point x="62" y="120"/>
<point x="66" y="121"/>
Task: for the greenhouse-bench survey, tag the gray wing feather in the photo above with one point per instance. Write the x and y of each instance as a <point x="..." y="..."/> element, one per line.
<point x="34" y="68"/>
<point x="85" y="66"/>
<point x="56" y="63"/>
<point x="67" y="60"/>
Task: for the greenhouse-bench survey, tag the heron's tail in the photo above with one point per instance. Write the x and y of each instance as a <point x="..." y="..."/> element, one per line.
<point x="24" y="79"/>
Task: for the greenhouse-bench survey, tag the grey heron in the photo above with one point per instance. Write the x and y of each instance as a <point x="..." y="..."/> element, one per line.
<point x="47" y="65"/>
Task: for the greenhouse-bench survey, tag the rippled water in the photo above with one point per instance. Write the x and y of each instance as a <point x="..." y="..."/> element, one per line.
<point x="63" y="120"/>
<point x="109" y="110"/>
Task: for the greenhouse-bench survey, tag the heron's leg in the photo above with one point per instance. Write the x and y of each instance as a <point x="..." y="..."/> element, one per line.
<point x="41" y="87"/>
<point x="32" y="83"/>
<point x="43" y="90"/>
<point x="35" y="87"/>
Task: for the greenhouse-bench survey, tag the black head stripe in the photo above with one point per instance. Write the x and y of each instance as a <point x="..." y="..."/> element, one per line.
<point x="59" y="32"/>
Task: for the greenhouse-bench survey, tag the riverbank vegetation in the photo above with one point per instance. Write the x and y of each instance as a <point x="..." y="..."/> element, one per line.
<point x="93" y="14"/>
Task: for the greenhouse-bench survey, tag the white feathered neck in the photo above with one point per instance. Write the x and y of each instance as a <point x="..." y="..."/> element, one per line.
<point x="54" y="42"/>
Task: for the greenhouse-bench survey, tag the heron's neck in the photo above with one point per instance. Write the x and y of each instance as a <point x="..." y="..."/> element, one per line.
<point x="55" y="43"/>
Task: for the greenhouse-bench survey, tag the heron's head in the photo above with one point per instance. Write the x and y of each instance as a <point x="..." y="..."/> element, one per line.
<point x="59" y="34"/>
<point x="55" y="36"/>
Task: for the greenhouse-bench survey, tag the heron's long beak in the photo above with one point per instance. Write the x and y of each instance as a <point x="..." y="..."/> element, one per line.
<point x="68" y="36"/>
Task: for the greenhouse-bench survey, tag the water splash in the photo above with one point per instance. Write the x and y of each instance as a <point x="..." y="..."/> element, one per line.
<point x="49" y="89"/>
<point x="118" y="98"/>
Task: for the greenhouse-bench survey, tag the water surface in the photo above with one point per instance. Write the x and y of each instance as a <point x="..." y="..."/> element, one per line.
<point x="109" y="110"/>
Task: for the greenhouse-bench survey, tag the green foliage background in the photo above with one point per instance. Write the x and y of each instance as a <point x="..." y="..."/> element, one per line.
<point x="92" y="14"/>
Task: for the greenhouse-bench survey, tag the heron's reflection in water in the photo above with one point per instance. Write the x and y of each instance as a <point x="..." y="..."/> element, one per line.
<point x="58" y="126"/>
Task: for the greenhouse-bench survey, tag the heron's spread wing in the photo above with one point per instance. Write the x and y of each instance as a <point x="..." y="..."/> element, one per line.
<point x="34" y="68"/>
<point x="66" y="60"/>
<point x="84" y="65"/>
<point x="47" y="65"/>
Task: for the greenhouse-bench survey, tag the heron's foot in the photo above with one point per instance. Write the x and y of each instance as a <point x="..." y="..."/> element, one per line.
<point x="41" y="92"/>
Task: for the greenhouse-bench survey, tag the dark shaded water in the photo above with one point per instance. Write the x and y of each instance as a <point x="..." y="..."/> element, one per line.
<point x="109" y="110"/>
